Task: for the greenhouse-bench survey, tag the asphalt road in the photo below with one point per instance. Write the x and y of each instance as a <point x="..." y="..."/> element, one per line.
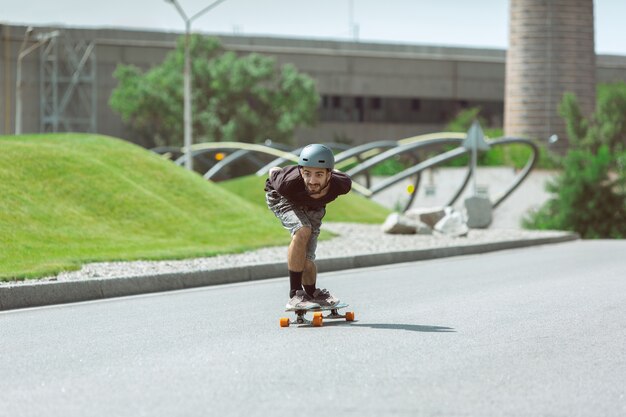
<point x="528" y="332"/>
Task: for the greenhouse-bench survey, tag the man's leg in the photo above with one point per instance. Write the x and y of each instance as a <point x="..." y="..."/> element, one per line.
<point x="296" y="258"/>
<point x="294" y="220"/>
<point x="296" y="255"/>
<point x="309" y="276"/>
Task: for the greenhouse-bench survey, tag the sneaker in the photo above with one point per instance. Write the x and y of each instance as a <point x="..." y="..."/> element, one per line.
<point x="302" y="301"/>
<point x="324" y="298"/>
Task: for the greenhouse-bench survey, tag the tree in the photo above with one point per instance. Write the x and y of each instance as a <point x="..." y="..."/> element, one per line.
<point x="588" y="196"/>
<point x="234" y="98"/>
<point x="607" y="125"/>
<point x="586" y="200"/>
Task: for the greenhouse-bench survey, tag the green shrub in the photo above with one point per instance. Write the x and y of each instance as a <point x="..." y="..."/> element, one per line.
<point x="586" y="198"/>
<point x="515" y="155"/>
<point x="389" y="167"/>
<point x="589" y="196"/>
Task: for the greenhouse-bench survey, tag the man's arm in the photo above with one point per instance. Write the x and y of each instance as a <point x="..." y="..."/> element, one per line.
<point x="286" y="181"/>
<point x="342" y="180"/>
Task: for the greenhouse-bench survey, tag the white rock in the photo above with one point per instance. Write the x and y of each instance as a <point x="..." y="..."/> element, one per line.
<point x="452" y="224"/>
<point x="427" y="215"/>
<point x="399" y="224"/>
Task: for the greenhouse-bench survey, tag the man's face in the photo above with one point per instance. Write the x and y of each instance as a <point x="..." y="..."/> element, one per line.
<point x="315" y="179"/>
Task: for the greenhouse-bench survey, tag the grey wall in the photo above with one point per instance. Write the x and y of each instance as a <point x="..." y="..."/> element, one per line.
<point x="443" y="80"/>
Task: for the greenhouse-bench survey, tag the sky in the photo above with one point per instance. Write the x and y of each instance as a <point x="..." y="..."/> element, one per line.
<point x="468" y="23"/>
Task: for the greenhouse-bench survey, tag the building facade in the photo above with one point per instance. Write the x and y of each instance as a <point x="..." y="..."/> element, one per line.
<point x="369" y="91"/>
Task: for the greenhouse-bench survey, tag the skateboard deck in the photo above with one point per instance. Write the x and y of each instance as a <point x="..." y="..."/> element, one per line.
<point x="318" y="315"/>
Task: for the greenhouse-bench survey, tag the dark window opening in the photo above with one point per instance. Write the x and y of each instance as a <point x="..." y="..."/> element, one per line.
<point x="409" y="110"/>
<point x="360" y="109"/>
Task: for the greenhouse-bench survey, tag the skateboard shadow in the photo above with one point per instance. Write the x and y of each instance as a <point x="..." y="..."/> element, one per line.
<point x="388" y="326"/>
<point x="409" y="327"/>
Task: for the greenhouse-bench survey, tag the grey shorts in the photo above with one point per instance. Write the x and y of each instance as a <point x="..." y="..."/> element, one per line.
<point x="293" y="218"/>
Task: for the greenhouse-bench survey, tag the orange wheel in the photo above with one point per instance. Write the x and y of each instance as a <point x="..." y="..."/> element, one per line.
<point x="318" y="314"/>
<point x="349" y="315"/>
<point x="318" y="321"/>
<point x="284" y="322"/>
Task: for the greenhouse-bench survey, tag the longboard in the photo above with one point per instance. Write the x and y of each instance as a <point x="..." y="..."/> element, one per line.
<point x="318" y="315"/>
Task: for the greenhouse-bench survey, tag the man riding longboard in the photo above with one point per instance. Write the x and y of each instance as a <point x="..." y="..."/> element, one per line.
<point x="297" y="195"/>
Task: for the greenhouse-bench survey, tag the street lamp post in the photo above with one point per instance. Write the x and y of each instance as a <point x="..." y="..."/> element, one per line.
<point x="353" y="27"/>
<point x="187" y="78"/>
<point x="41" y="39"/>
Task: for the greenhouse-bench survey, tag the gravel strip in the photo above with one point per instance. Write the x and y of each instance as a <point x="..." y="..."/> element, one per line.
<point x="353" y="239"/>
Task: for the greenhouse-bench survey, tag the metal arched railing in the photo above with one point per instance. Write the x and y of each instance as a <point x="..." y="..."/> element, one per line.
<point x="360" y="160"/>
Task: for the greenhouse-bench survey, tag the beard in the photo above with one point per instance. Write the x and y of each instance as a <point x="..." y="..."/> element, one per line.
<point x="317" y="188"/>
<point x="314" y="188"/>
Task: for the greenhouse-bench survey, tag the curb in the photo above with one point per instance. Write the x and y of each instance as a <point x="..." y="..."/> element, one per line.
<point x="55" y="292"/>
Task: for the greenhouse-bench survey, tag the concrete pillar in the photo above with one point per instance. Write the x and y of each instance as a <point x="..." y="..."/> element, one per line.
<point x="551" y="51"/>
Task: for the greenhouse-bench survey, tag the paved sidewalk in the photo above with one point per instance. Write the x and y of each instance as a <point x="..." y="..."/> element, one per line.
<point x="356" y="246"/>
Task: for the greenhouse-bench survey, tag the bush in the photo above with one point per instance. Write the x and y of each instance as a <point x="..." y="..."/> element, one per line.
<point x="389" y="167"/>
<point x="508" y="155"/>
<point x="589" y="196"/>
<point x="586" y="198"/>
<point x="515" y="155"/>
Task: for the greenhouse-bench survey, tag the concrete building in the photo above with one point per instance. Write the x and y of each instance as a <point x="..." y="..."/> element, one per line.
<point x="370" y="91"/>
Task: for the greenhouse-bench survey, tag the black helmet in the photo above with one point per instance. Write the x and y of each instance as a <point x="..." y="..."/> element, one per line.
<point x="316" y="156"/>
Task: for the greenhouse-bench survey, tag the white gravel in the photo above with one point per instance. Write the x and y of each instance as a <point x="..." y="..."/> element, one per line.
<point x="353" y="239"/>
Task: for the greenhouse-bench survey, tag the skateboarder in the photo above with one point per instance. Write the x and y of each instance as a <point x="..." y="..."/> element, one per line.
<point x="298" y="194"/>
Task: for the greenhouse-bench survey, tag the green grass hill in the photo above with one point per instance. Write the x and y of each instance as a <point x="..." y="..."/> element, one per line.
<point x="351" y="208"/>
<point x="68" y="199"/>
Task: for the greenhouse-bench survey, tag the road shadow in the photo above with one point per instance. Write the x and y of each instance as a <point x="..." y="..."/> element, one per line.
<point x="408" y="327"/>
<point x="395" y="326"/>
